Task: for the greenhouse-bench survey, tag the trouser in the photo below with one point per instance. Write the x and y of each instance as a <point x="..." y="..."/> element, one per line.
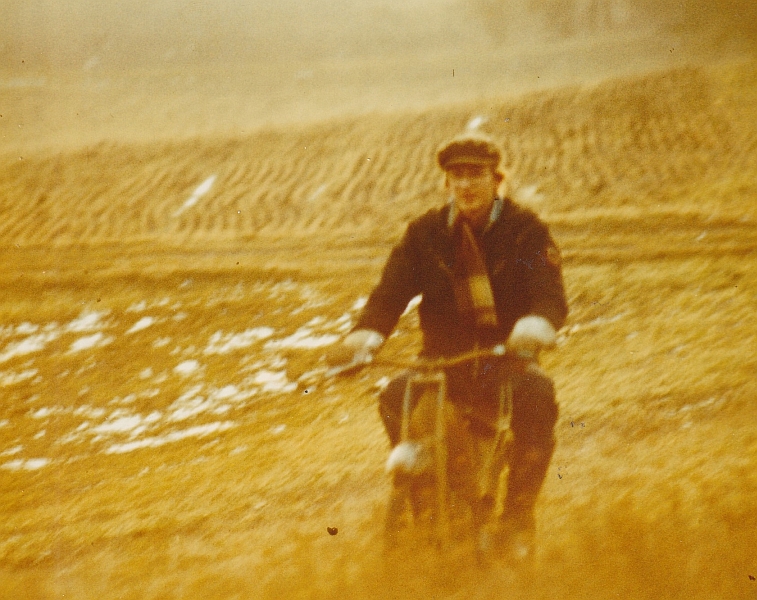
<point x="534" y="414"/>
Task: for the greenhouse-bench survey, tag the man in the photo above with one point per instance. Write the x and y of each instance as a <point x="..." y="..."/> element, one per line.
<point x="489" y="273"/>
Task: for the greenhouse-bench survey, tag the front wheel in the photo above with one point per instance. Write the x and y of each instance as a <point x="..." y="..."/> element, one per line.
<point x="396" y="515"/>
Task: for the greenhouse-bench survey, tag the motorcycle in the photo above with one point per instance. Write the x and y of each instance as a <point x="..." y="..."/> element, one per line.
<point x="448" y="471"/>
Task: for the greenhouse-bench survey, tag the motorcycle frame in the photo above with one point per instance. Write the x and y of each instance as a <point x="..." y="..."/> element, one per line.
<point x="490" y="467"/>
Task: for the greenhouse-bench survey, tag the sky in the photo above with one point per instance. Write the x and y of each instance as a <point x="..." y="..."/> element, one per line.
<point x="50" y="34"/>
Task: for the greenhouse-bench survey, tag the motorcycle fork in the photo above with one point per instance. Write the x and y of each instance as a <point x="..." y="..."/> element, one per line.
<point x="439" y="381"/>
<point x="497" y="455"/>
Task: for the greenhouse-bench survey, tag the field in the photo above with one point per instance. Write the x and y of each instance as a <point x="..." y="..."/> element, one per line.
<point x="166" y="427"/>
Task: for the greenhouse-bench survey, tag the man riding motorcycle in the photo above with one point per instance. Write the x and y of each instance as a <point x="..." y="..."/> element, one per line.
<point x="489" y="273"/>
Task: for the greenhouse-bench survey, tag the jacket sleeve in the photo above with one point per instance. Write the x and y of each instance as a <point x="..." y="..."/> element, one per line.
<point x="541" y="265"/>
<point x="398" y="285"/>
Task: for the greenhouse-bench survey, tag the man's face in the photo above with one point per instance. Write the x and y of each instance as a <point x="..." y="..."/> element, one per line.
<point x="473" y="188"/>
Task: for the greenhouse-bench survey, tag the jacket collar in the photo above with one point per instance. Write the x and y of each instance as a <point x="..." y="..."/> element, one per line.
<point x="493" y="215"/>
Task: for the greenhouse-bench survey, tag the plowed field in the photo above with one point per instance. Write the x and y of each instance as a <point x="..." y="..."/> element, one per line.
<point x="166" y="429"/>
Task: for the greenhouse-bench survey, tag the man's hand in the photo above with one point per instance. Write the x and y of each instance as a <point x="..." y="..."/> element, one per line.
<point x="356" y="348"/>
<point x="530" y="334"/>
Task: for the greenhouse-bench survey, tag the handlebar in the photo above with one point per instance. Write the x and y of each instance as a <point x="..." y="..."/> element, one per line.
<point x="433" y="364"/>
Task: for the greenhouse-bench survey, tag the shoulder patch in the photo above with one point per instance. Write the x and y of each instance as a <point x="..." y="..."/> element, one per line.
<point x="554" y="257"/>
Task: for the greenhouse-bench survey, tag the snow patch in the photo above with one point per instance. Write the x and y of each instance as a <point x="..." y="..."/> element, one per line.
<point x="30" y="464"/>
<point x="119" y="425"/>
<point x="143" y="323"/>
<point x="137" y="307"/>
<point x="26" y="328"/>
<point x="12" y="451"/>
<point x="201" y="190"/>
<point x="360" y="303"/>
<point x="12" y="378"/>
<point x="34" y="343"/>
<point x="302" y="339"/>
<point x="96" y="340"/>
<point x="174" y="436"/>
<point x="189" y="404"/>
<point x="87" y="321"/>
<point x="223" y="344"/>
<point x="186" y="367"/>
<point x="274" y="381"/>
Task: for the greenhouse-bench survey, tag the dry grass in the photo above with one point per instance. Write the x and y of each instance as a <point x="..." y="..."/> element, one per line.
<point x="229" y="485"/>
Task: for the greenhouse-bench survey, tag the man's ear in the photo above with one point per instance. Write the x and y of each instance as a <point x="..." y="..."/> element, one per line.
<point x="500" y="179"/>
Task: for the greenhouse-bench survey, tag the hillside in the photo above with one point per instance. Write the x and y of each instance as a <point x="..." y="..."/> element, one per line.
<point x="609" y="147"/>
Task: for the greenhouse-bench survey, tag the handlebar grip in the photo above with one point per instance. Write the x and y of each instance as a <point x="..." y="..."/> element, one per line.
<point x="348" y="368"/>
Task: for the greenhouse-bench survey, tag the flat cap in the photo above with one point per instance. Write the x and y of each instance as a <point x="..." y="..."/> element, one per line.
<point x="470" y="148"/>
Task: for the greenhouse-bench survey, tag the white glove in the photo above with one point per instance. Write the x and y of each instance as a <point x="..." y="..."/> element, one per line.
<point x="363" y="342"/>
<point x="357" y="347"/>
<point x="530" y="334"/>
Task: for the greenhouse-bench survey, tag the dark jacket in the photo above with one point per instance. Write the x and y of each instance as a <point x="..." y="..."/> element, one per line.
<point x="524" y="270"/>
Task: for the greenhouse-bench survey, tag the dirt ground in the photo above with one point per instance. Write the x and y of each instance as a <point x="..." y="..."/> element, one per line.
<point x="174" y="273"/>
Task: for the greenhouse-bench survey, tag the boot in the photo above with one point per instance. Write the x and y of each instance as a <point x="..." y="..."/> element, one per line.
<point x="528" y="468"/>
